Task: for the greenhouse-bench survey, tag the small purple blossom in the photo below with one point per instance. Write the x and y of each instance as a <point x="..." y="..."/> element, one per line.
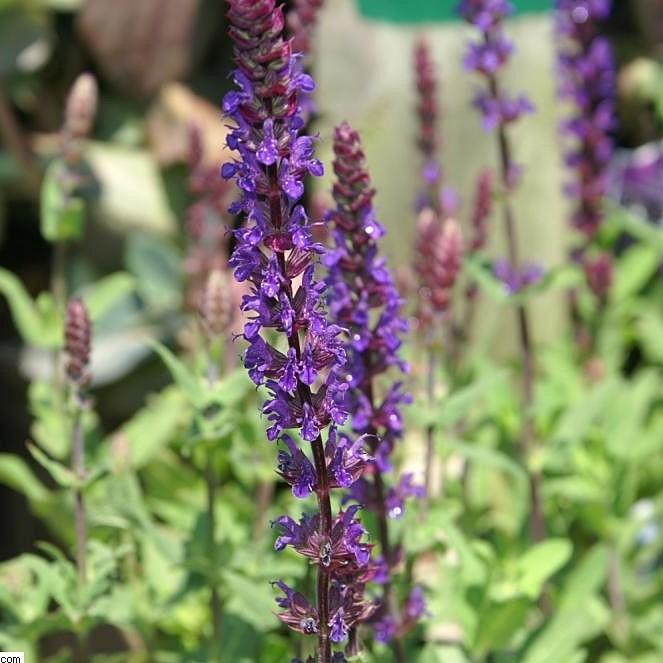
<point x="515" y="280"/>
<point x="588" y="80"/>
<point x="487" y="56"/>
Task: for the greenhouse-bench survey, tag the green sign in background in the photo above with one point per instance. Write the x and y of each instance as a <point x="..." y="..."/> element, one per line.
<point x="415" y="11"/>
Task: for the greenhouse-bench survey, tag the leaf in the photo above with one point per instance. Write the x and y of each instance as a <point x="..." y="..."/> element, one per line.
<point x="499" y="623"/>
<point x="485" y="456"/>
<point x="16" y="474"/>
<point x="454" y="407"/>
<point x="50" y="428"/>
<point x="157" y="267"/>
<point x="650" y="328"/>
<point x="106" y="292"/>
<point x="60" y="473"/>
<point x="184" y="377"/>
<point x="254" y="603"/>
<point x="151" y="429"/>
<point x="634" y="270"/>
<point x="37" y="325"/>
<point x="434" y="653"/>
<point x="62" y="214"/>
<point x="539" y="563"/>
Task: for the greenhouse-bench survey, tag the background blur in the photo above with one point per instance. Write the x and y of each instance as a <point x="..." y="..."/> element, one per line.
<point x="162" y="64"/>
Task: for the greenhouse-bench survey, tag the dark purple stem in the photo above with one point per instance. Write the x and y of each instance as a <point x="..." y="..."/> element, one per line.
<point x="383" y="523"/>
<point x="537" y="523"/>
<point x="317" y="446"/>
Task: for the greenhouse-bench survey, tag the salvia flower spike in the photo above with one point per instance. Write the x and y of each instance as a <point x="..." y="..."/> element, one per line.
<point x="78" y="337"/>
<point x="302" y="372"/>
<point x="488" y="56"/>
<point x="439" y="252"/>
<point x="587" y="80"/>
<point x="365" y="302"/>
<point x="302" y="19"/>
<point x="79" y="115"/>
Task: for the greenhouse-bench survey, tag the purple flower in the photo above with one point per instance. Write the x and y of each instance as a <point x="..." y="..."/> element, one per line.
<point x="301" y="366"/>
<point x="517" y="279"/>
<point x="488" y="56"/>
<point x="587" y="79"/>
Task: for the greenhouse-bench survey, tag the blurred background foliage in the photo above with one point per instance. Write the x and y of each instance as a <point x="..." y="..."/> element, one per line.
<point x="162" y="65"/>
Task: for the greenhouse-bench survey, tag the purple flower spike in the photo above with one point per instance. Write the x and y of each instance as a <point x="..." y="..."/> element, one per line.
<point x="487" y="57"/>
<point x="302" y="367"/>
<point x="365" y="302"/>
<point x="587" y="76"/>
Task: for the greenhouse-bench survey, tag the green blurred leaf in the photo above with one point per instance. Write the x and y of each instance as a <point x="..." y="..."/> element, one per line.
<point x="37" y="322"/>
<point x="105" y="293"/>
<point x="60" y="473"/>
<point x="62" y="213"/>
<point x="184" y="377"/>
<point x="539" y="563"/>
<point x="484" y="456"/>
<point x="157" y="267"/>
<point x="634" y="270"/>
<point x="150" y="430"/>
<point x="499" y="623"/>
<point x="252" y="602"/>
<point x="16" y="474"/>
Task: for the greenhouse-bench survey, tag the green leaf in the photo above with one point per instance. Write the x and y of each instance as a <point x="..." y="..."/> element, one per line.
<point x="634" y="270"/>
<point x="539" y="563"/>
<point x="157" y="267"/>
<point x="16" y="474"/>
<point x="60" y="473"/>
<point x="62" y="214"/>
<point x="50" y="426"/>
<point x="499" y="623"/>
<point x="184" y="377"/>
<point x="37" y="323"/>
<point x="451" y="409"/>
<point x="484" y="456"/>
<point x="650" y="328"/>
<point x="434" y="653"/>
<point x="106" y="292"/>
<point x="150" y="430"/>
<point x="254" y="603"/>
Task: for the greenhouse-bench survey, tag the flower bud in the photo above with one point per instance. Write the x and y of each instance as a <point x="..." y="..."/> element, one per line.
<point x="78" y="333"/>
<point x="216" y="304"/>
<point x="81" y="107"/>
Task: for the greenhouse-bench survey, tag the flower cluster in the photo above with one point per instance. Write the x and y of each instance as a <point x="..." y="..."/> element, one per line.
<point x="587" y="79"/>
<point x="517" y="279"/>
<point x="276" y="255"/>
<point x="439" y="252"/>
<point x="78" y="339"/>
<point x="207" y="222"/>
<point x="599" y="272"/>
<point x="487" y="57"/>
<point x="365" y="302"/>
<point x="302" y="19"/>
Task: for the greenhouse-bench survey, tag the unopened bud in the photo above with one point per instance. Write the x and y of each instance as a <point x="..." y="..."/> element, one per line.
<point x="81" y="107"/>
<point x="216" y="303"/>
<point x="599" y="274"/>
<point x="78" y="336"/>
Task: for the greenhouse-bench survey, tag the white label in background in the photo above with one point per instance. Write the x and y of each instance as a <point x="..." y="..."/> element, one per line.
<point x="12" y="657"/>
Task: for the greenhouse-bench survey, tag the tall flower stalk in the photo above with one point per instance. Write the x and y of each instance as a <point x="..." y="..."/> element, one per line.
<point x="438" y="256"/>
<point x="302" y="19"/>
<point x="587" y="79"/>
<point x="487" y="56"/>
<point x="365" y="302"/>
<point x="435" y="204"/>
<point x="77" y="346"/>
<point x="301" y="366"/>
